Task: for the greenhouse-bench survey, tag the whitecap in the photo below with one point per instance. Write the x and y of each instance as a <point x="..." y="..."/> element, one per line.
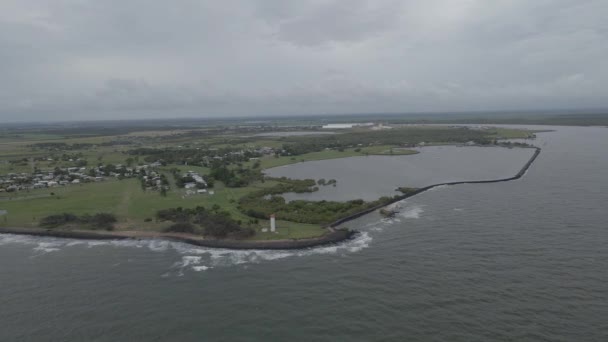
<point x="192" y="257"/>
<point x="200" y="268"/>
<point x="412" y="212"/>
<point x="47" y="247"/>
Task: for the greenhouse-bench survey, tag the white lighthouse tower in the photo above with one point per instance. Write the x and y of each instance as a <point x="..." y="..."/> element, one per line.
<point x="273" y="227"/>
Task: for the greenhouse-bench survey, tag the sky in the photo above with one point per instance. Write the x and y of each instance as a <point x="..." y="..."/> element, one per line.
<point x="113" y="59"/>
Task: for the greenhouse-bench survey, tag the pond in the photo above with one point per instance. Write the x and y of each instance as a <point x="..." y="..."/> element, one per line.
<point x="370" y="177"/>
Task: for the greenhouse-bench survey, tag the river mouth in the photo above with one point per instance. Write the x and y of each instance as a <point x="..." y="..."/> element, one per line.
<point x="371" y="177"/>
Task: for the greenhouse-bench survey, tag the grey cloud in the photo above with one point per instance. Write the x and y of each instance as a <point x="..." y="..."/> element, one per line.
<point x="113" y="59"/>
<point x="323" y="22"/>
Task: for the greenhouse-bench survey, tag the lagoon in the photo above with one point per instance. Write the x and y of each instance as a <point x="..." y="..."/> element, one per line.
<point x="371" y="177"/>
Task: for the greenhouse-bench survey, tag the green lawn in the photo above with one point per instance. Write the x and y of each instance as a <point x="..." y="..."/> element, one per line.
<point x="271" y="161"/>
<point x="132" y="205"/>
<point x="510" y="133"/>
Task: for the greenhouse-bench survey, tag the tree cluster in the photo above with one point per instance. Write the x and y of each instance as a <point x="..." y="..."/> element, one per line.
<point x="96" y="221"/>
<point x="199" y="220"/>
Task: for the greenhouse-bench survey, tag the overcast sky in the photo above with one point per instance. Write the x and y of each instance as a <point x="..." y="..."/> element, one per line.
<point x="93" y="59"/>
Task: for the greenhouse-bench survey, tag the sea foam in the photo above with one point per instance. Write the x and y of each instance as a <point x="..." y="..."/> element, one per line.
<point x="192" y="257"/>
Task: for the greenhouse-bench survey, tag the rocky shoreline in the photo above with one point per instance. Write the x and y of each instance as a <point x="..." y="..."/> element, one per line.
<point x="333" y="235"/>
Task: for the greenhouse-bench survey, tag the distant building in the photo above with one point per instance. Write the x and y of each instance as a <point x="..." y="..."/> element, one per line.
<point x="347" y="125"/>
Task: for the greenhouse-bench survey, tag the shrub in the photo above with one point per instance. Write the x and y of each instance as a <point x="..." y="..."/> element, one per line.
<point x="96" y="221"/>
<point x="181" y="227"/>
<point x="54" y="221"/>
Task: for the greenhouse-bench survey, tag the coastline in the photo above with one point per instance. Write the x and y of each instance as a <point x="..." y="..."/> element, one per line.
<point x="333" y="235"/>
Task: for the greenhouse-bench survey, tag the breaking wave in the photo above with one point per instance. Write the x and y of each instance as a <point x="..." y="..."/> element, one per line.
<point x="193" y="258"/>
<point x="411" y="212"/>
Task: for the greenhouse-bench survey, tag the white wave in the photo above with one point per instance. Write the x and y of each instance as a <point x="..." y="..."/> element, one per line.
<point x="193" y="257"/>
<point x="412" y="212"/>
<point x="47" y="247"/>
<point x="200" y="268"/>
<point x="458" y="209"/>
<point x="438" y="188"/>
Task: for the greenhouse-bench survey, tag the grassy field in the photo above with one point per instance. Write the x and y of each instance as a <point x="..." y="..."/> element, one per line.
<point x="131" y="205"/>
<point x="271" y="161"/>
<point x="510" y="133"/>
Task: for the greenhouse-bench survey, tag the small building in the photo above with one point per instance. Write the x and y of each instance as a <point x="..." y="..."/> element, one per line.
<point x="273" y="226"/>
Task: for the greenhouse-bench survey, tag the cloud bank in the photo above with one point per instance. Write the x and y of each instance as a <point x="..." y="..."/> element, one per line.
<point x="86" y="59"/>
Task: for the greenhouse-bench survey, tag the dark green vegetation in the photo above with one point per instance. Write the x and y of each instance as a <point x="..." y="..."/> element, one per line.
<point x="96" y="221"/>
<point x="190" y="178"/>
<point x="262" y="203"/>
<point x="406" y="190"/>
<point x="213" y="223"/>
<point x="404" y="137"/>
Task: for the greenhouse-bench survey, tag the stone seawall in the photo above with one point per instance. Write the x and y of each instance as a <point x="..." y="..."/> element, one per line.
<point x="521" y="172"/>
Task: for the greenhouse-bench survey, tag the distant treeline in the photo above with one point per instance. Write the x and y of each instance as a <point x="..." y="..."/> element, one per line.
<point x="405" y="137"/>
<point x="193" y="156"/>
<point x="59" y="146"/>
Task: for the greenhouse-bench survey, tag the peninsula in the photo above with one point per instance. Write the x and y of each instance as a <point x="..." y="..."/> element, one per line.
<point x="203" y="185"/>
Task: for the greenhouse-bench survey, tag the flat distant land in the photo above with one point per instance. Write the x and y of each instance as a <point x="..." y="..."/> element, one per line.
<point x="204" y="178"/>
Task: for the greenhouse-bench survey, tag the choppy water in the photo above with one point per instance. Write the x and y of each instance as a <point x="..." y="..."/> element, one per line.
<point x="522" y="260"/>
